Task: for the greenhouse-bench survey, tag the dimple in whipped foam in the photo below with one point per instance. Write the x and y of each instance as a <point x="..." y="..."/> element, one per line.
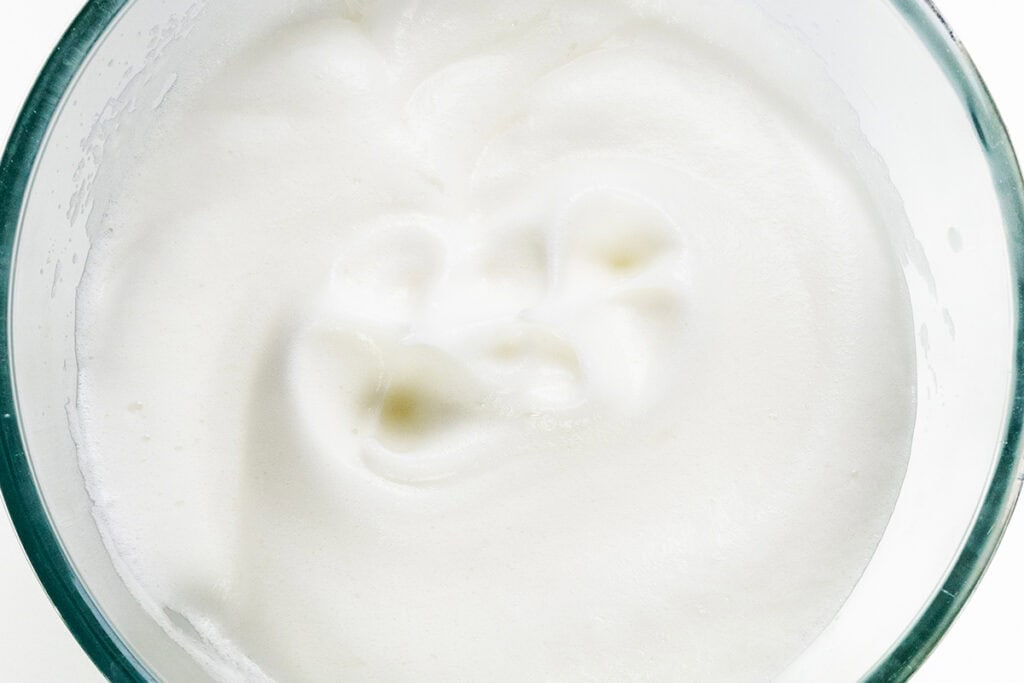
<point x="449" y="340"/>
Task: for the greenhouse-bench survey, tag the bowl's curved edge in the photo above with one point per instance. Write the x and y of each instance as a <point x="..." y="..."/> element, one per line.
<point x="28" y="514"/>
<point x="1004" y="487"/>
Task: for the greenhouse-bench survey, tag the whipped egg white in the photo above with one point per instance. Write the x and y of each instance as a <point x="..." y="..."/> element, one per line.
<point x="443" y="340"/>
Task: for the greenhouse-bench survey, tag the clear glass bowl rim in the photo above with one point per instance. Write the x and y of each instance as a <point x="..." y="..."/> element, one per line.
<point x="105" y="646"/>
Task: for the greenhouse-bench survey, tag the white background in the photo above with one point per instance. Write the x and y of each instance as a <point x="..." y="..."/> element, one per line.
<point x="983" y="645"/>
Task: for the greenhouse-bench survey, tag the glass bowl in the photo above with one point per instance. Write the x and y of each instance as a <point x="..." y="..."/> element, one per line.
<point x="919" y="102"/>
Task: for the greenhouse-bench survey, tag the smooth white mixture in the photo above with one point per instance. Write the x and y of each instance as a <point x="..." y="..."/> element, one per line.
<point x="459" y="340"/>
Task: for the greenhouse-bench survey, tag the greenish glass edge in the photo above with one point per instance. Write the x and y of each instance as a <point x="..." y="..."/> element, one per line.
<point x="28" y="513"/>
<point x="994" y="511"/>
<point x="116" y="661"/>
